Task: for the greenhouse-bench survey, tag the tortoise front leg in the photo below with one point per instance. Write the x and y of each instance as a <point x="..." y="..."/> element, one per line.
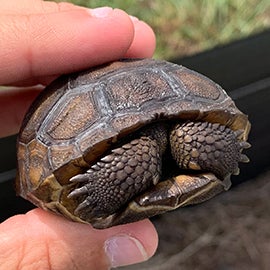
<point x="119" y="176"/>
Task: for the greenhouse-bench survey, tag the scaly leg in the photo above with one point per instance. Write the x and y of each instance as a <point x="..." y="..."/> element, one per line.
<point x="121" y="175"/>
<point x="207" y="147"/>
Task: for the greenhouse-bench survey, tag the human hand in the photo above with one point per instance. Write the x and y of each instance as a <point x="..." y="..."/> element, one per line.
<point x="41" y="240"/>
<point x="41" y="40"/>
<point x="38" y="42"/>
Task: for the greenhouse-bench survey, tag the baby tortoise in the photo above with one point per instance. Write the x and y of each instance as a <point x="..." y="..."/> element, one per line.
<point x="101" y="146"/>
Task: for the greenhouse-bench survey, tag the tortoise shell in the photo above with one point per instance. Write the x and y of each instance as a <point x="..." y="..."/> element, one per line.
<point x="80" y="116"/>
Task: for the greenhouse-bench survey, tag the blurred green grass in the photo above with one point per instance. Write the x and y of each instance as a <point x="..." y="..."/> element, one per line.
<point x="184" y="27"/>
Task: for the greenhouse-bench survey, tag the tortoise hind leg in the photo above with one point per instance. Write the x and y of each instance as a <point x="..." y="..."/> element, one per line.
<point x="121" y="175"/>
<point x="207" y="147"/>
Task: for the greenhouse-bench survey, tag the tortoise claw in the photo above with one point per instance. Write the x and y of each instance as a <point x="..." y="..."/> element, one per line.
<point x="95" y="167"/>
<point x="79" y="178"/>
<point x="244" y="158"/>
<point x="81" y="208"/>
<point x="236" y="172"/>
<point x="78" y="192"/>
<point x="245" y="145"/>
<point x="239" y="133"/>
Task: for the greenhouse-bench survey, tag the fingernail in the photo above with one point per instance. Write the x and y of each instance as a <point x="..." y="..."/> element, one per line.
<point x="133" y="18"/>
<point x="124" y="250"/>
<point x="101" y="12"/>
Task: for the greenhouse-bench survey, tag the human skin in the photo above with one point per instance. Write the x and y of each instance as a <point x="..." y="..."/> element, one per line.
<point x="38" y="42"/>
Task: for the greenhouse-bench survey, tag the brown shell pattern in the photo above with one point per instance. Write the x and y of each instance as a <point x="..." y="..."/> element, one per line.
<point x="67" y="130"/>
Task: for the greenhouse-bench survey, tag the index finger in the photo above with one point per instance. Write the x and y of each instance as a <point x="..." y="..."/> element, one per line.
<point x="62" y="42"/>
<point x="56" y="52"/>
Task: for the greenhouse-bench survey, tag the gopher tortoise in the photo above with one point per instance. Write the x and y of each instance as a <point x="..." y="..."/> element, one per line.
<point x="128" y="140"/>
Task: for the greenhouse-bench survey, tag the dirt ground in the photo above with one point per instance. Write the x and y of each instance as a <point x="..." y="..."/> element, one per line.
<point x="231" y="231"/>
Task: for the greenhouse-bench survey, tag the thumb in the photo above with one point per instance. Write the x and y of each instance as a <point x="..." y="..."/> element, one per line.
<point x="41" y="240"/>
